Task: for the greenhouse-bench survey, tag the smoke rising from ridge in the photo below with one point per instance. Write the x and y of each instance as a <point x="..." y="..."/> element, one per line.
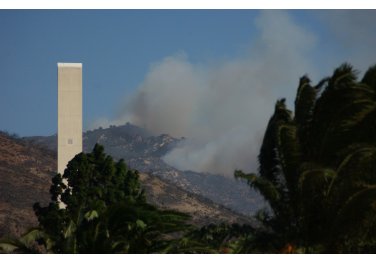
<point x="223" y="109"/>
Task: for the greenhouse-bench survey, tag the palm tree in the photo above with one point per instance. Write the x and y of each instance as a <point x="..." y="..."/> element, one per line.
<point x="317" y="167"/>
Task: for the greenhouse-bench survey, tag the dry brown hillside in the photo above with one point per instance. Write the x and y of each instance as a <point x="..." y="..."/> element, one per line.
<point x="25" y="175"/>
<point x="203" y="211"/>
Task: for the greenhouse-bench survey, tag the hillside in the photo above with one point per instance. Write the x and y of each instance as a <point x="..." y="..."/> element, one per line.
<point x="203" y="211"/>
<point x="144" y="151"/>
<point x="26" y="170"/>
<point x="25" y="175"/>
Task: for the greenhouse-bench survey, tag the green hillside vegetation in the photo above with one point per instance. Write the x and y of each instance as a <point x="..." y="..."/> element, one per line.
<point x="317" y="171"/>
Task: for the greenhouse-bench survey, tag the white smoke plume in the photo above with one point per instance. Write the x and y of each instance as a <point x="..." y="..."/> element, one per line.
<point x="223" y="109"/>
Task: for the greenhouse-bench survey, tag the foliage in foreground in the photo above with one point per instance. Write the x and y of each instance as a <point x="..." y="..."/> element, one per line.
<point x="318" y="167"/>
<point x="97" y="206"/>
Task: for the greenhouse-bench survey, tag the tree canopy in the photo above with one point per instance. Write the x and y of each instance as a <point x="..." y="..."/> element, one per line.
<point x="318" y="166"/>
<point x="98" y="206"/>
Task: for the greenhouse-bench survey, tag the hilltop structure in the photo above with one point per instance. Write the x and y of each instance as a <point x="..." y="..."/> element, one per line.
<point x="69" y="113"/>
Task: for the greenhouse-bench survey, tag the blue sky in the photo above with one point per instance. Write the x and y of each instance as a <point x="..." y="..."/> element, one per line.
<point x="115" y="47"/>
<point x="119" y="49"/>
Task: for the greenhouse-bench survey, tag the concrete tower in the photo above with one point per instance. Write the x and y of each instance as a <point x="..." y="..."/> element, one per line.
<point x="69" y="113"/>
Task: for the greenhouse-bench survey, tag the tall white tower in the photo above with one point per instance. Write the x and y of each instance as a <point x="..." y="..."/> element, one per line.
<point x="69" y="113"/>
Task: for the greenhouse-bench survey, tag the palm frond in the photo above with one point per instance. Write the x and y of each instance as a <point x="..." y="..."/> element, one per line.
<point x="267" y="189"/>
<point x="315" y="182"/>
<point x="356" y="169"/>
<point x="343" y="76"/>
<point x="356" y="220"/>
<point x="369" y="77"/>
<point x="304" y="102"/>
<point x="269" y="167"/>
<point x="289" y="155"/>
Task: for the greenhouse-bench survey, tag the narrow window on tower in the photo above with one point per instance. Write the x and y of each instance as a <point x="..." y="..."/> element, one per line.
<point x="70" y="141"/>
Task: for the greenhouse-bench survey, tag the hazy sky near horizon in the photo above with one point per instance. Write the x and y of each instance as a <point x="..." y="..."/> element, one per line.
<point x="212" y="76"/>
